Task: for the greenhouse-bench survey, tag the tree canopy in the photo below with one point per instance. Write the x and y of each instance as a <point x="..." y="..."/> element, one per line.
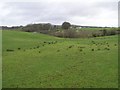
<point x="66" y="25"/>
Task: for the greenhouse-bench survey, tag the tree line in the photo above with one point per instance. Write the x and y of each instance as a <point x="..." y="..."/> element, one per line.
<point x="65" y="30"/>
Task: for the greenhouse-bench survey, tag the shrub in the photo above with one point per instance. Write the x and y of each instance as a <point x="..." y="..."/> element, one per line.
<point x="104" y="32"/>
<point x="69" y="34"/>
<point x="94" y="35"/>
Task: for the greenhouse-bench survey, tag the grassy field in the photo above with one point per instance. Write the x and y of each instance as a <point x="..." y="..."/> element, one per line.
<point x="96" y="29"/>
<point x="36" y="60"/>
<point x="0" y="59"/>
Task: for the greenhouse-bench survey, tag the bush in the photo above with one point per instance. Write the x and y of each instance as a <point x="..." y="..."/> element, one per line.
<point x="111" y="32"/>
<point x="69" y="34"/>
<point x="104" y="32"/>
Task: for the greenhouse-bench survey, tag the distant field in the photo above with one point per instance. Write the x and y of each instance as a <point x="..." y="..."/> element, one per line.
<point x="36" y="60"/>
<point x="98" y="29"/>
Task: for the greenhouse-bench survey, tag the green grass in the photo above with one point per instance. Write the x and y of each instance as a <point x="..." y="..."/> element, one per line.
<point x="95" y="29"/>
<point x="0" y="59"/>
<point x="69" y="63"/>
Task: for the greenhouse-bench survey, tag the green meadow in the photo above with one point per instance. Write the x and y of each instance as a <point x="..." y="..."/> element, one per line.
<point x="32" y="60"/>
<point x="96" y="29"/>
<point x="0" y="59"/>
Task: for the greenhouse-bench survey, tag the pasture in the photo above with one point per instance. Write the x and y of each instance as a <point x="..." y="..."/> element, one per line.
<point x="32" y="60"/>
<point x="0" y="59"/>
<point x="96" y="29"/>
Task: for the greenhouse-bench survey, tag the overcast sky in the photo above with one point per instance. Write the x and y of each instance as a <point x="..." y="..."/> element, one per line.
<point x="80" y="12"/>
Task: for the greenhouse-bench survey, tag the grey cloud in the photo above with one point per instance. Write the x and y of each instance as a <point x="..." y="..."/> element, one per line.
<point x="113" y="5"/>
<point x="54" y="12"/>
<point x="36" y="11"/>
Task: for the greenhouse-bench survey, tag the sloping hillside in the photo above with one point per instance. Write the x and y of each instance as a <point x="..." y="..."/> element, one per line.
<point x="36" y="60"/>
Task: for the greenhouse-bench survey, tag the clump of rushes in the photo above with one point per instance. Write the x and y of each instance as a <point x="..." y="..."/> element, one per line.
<point x="92" y="49"/>
<point x="107" y="49"/>
<point x="58" y="50"/>
<point x="98" y="48"/>
<point x="19" y="48"/>
<point x="38" y="46"/>
<point x="115" y="44"/>
<point x="9" y="50"/>
<point x="80" y="50"/>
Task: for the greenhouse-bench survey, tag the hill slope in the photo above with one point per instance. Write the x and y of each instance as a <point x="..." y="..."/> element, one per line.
<point x="36" y="60"/>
